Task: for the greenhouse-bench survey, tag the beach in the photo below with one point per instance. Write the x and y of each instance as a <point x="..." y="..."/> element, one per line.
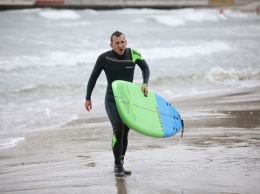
<point x="219" y="153"/>
<point x="203" y="61"/>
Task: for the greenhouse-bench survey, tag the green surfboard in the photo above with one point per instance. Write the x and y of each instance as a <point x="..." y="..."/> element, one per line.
<point x="152" y="115"/>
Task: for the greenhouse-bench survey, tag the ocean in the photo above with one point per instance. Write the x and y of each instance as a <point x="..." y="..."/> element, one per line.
<point x="47" y="55"/>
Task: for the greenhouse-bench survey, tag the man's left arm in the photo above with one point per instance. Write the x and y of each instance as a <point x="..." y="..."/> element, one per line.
<point x="146" y="73"/>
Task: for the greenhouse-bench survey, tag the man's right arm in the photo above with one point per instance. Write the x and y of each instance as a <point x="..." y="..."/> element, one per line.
<point x="92" y="82"/>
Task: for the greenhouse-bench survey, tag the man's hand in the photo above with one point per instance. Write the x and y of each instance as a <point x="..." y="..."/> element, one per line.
<point x="88" y="105"/>
<point x="145" y="89"/>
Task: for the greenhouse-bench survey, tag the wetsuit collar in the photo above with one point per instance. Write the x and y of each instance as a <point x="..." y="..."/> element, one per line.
<point x="118" y="54"/>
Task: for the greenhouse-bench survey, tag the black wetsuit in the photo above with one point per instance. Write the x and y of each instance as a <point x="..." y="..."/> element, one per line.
<point x="117" y="67"/>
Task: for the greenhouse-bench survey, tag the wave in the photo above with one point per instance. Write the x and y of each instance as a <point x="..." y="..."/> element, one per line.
<point x="183" y="16"/>
<point x="59" y="14"/>
<point x="157" y="81"/>
<point x="204" y="48"/>
<point x="235" y="14"/>
<point x="219" y="74"/>
<point x="216" y="80"/>
<point x="10" y="142"/>
<point x="189" y="14"/>
<point x="75" y="24"/>
<point x="42" y="90"/>
<point x="45" y="88"/>
<point x="166" y="17"/>
<point x="215" y="74"/>
<point x="56" y="58"/>
<point x="133" y="11"/>
<point x="51" y="58"/>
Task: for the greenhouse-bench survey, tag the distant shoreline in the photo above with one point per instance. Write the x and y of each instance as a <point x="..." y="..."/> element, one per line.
<point x="99" y="8"/>
<point x="242" y="5"/>
<point x="16" y="7"/>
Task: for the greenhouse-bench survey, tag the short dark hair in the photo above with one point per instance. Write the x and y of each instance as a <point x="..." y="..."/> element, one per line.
<point x="117" y="34"/>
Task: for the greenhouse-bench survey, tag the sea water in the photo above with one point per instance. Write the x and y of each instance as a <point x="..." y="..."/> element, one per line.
<point x="47" y="55"/>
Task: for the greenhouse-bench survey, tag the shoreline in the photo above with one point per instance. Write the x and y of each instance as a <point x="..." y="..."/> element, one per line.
<point x="242" y="5"/>
<point x="219" y="152"/>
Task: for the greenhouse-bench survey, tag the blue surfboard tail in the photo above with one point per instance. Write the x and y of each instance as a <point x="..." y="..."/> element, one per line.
<point x="170" y="118"/>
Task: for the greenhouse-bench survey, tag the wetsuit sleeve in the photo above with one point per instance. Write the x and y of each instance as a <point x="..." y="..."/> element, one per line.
<point x="145" y="70"/>
<point x="139" y="60"/>
<point x="93" y="77"/>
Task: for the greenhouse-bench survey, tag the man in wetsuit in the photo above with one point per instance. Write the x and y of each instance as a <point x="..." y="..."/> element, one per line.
<point x="118" y="64"/>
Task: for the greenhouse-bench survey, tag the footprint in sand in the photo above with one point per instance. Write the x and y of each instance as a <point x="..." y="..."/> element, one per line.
<point x="92" y="164"/>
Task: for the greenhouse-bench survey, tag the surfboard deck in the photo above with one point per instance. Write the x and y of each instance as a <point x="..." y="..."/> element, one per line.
<point x="152" y="115"/>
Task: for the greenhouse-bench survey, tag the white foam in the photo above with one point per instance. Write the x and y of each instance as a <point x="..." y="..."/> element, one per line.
<point x="131" y="11"/>
<point x="51" y="58"/>
<point x="248" y="77"/>
<point x="90" y="11"/>
<point x="170" y="20"/>
<point x="221" y="74"/>
<point x="204" y="48"/>
<point x="181" y="17"/>
<point x="194" y="15"/>
<point x="59" y="14"/>
<point x="10" y="142"/>
<point x="75" y="24"/>
<point x="235" y="14"/>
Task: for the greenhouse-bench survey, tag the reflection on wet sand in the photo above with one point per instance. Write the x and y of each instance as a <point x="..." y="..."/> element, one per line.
<point x="121" y="185"/>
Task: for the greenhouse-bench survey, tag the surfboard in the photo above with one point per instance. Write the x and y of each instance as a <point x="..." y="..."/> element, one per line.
<point x="152" y="116"/>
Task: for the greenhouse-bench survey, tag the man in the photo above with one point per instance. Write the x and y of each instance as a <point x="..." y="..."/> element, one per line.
<point x="118" y="64"/>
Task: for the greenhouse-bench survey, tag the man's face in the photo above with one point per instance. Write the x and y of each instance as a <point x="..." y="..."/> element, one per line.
<point x="119" y="44"/>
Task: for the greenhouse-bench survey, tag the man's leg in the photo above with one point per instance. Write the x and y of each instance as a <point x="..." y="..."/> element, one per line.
<point x="125" y="144"/>
<point x="118" y="132"/>
<point x="125" y="141"/>
<point x="117" y="143"/>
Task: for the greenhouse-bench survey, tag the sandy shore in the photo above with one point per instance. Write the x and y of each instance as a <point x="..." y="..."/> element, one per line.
<point x="219" y="153"/>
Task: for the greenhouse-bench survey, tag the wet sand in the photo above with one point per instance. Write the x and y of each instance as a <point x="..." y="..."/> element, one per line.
<point x="219" y="153"/>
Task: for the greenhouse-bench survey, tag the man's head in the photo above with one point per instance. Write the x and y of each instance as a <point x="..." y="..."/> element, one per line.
<point x="118" y="42"/>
